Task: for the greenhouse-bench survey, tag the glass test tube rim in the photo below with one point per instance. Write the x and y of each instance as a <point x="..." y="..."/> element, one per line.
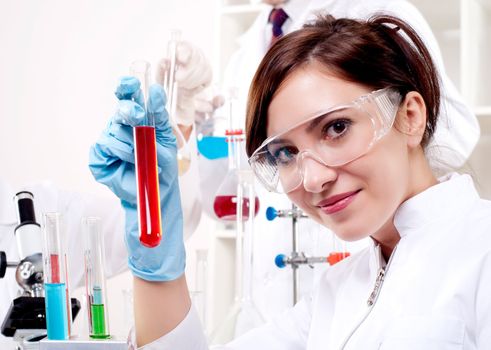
<point x="53" y="239"/>
<point x="140" y="69"/>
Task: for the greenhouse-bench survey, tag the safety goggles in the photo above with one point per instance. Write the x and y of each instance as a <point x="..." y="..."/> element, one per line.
<point x="337" y="136"/>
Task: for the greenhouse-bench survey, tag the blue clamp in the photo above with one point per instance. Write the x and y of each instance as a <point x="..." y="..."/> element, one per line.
<point x="271" y="213"/>
<point x="280" y="260"/>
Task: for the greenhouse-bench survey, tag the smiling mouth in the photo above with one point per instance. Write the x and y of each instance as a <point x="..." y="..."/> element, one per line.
<point x="338" y="202"/>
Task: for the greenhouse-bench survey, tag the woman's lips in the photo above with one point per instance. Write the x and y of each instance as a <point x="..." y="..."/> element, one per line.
<point x="337" y="202"/>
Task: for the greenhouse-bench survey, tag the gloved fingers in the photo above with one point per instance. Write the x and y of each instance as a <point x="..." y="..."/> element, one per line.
<point x="129" y="89"/>
<point x="203" y="106"/>
<point x="194" y="70"/>
<point x="129" y="113"/>
<point x="218" y="101"/>
<point x="110" y="170"/>
<point x="166" y="150"/>
<point x="163" y="128"/>
<point x="162" y="68"/>
<point x="131" y="106"/>
<point x="117" y="142"/>
<point x="185" y="52"/>
<point x="156" y="106"/>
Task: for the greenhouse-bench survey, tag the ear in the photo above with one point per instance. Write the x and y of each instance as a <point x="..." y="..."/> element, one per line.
<point x="412" y="118"/>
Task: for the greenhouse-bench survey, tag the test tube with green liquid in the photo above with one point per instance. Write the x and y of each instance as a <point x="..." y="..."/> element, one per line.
<point x="95" y="279"/>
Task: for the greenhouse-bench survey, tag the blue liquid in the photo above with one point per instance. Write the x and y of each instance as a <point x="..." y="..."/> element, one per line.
<point x="213" y="147"/>
<point x="56" y="313"/>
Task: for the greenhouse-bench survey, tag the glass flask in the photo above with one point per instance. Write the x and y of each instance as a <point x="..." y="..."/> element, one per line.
<point x="249" y="316"/>
<point x="243" y="314"/>
<point x="199" y="294"/>
<point x="210" y="128"/>
<point x="226" y="203"/>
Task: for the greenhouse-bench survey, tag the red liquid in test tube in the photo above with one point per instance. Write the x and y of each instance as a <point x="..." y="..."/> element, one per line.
<point x="55" y="268"/>
<point x="147" y="186"/>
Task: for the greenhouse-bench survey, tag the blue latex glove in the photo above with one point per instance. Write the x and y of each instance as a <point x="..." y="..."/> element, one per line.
<point x="112" y="162"/>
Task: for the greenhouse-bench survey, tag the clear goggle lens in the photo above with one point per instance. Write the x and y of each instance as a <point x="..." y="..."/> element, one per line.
<point x="339" y="135"/>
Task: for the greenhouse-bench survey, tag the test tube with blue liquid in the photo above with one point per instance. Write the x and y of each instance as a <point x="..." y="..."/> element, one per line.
<point x="55" y="278"/>
<point x="95" y="278"/>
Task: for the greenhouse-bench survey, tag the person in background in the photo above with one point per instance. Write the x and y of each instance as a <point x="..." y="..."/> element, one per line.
<point x="48" y="197"/>
<point x="352" y="156"/>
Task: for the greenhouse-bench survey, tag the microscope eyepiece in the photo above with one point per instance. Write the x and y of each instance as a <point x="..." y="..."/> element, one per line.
<point x="24" y="202"/>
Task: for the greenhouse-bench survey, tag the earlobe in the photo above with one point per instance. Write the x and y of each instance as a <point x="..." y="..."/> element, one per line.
<point x="413" y="118"/>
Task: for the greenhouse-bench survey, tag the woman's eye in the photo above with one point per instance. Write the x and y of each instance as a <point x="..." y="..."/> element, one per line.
<point x="336" y="128"/>
<point x="284" y="155"/>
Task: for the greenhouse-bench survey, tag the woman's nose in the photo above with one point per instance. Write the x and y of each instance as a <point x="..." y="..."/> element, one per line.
<point x="316" y="174"/>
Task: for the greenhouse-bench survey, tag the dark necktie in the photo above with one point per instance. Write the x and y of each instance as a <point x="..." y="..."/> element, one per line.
<point x="277" y="17"/>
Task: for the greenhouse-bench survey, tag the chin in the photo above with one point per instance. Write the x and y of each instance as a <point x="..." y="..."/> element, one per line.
<point x="350" y="236"/>
<point x="348" y="231"/>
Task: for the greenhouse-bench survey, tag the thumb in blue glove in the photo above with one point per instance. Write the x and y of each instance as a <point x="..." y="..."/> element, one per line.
<point x="112" y="163"/>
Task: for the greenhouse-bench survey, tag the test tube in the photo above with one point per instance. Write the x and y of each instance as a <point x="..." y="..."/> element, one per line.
<point x="147" y="181"/>
<point x="95" y="278"/>
<point x="55" y="278"/>
<point x="171" y="89"/>
<point x="170" y="84"/>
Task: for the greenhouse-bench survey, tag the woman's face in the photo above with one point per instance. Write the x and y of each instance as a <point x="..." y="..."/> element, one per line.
<point x="358" y="198"/>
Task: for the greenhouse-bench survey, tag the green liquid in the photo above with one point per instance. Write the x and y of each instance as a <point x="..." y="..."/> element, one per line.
<point x="98" y="322"/>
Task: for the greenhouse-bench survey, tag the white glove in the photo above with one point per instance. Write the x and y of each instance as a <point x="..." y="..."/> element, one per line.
<point x="193" y="75"/>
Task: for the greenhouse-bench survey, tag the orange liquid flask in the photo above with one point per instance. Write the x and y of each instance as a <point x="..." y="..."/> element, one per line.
<point x="147" y="180"/>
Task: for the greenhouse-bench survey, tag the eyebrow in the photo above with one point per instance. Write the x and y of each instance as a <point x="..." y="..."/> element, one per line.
<point x="316" y="121"/>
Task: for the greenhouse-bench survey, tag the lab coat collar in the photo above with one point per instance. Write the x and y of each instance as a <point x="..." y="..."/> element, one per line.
<point x="449" y="198"/>
<point x="7" y="209"/>
<point x="295" y="8"/>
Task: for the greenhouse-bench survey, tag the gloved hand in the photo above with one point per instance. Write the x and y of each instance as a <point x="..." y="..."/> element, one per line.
<point x="112" y="162"/>
<point x="193" y="75"/>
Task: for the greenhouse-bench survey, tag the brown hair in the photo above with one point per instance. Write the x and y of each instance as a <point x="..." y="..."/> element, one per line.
<point x="375" y="53"/>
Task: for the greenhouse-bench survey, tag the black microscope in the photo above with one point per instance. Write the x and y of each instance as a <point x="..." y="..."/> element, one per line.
<point x="25" y="320"/>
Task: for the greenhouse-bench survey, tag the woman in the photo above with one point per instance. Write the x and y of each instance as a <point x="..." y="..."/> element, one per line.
<point x="339" y="116"/>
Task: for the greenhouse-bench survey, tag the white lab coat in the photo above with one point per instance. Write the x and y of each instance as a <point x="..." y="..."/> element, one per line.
<point x="435" y="294"/>
<point x="74" y="206"/>
<point x="456" y="136"/>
